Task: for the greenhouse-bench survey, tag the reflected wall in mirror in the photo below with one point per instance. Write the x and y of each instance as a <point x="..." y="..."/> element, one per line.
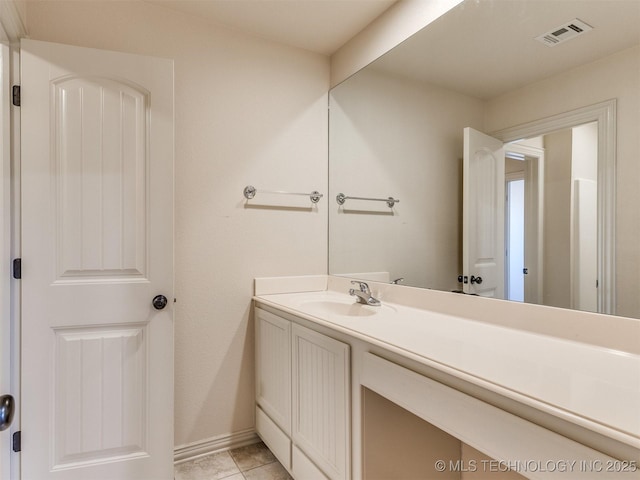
<point x="396" y="130"/>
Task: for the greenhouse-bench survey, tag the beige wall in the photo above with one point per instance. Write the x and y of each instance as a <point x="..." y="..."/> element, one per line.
<point x="557" y="220"/>
<point x="400" y="445"/>
<point x="616" y="76"/>
<point x="247" y="112"/>
<point x="513" y="166"/>
<point x="395" y="137"/>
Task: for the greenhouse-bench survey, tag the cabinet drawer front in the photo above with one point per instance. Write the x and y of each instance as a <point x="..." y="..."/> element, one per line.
<point x="321" y="409"/>
<point x="302" y="468"/>
<point x="273" y="367"/>
<point x="274" y="438"/>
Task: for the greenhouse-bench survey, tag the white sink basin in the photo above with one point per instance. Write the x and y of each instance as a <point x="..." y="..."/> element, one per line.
<point x="339" y="305"/>
<point x="339" y="308"/>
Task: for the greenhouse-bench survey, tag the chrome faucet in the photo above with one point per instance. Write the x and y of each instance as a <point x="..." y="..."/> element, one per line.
<point x="397" y="281"/>
<point x="363" y="294"/>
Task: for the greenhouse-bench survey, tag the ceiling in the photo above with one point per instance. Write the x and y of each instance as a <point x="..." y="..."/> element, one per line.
<point x="321" y="26"/>
<point x="486" y="48"/>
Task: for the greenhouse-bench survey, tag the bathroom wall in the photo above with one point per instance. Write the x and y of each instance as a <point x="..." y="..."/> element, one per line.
<point x="395" y="137"/>
<point x="616" y="76"/>
<point x="248" y="111"/>
<point x="399" y="444"/>
<point x="513" y="166"/>
<point x="557" y="220"/>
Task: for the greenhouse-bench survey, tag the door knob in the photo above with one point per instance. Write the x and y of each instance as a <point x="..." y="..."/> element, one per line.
<point x="477" y="280"/>
<point x="159" y="302"/>
<point x="7" y="409"/>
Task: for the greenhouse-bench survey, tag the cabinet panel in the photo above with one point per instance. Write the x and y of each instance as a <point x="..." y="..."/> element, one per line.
<point x="302" y="468"/>
<point x="273" y="367"/>
<point x="321" y="413"/>
<point x="277" y="441"/>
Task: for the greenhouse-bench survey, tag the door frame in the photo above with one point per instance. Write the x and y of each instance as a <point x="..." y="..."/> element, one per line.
<point x="605" y="114"/>
<point x="5" y="253"/>
<point x="12" y="29"/>
<point x="508" y="178"/>
<point x="534" y="216"/>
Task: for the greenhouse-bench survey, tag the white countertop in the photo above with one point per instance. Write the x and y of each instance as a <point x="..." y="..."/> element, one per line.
<point x="595" y="387"/>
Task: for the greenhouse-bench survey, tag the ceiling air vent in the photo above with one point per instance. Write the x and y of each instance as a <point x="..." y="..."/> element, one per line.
<point x="564" y="32"/>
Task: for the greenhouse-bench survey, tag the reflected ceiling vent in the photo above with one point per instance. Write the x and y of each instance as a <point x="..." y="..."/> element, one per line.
<point x="564" y="32"/>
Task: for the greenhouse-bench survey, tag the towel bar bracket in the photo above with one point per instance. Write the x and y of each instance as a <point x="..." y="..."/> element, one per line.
<point x="341" y="198"/>
<point x="250" y="192"/>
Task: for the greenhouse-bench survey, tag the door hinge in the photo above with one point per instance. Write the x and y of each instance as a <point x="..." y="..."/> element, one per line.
<point x="17" y="441"/>
<point x="16" y="95"/>
<point x="17" y="268"/>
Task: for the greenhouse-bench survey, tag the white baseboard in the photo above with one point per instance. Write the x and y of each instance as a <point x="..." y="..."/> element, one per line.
<point x="184" y="453"/>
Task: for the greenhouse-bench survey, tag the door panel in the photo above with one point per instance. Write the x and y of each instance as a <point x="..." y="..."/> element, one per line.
<point x="100" y="173"/>
<point x="116" y="358"/>
<point x="483" y="214"/>
<point x="97" y="241"/>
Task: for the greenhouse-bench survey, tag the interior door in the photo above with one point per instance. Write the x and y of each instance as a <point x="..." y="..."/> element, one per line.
<point x="483" y="248"/>
<point x="97" y="233"/>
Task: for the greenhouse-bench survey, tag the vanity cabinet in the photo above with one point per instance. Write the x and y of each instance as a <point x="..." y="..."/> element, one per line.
<point x="350" y="392"/>
<point x="302" y="397"/>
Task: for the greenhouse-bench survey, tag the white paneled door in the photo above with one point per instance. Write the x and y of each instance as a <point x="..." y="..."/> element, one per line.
<point x="97" y="233"/>
<point x="483" y="214"/>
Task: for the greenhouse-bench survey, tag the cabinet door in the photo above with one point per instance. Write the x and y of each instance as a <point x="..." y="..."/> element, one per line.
<point x="273" y="367"/>
<point x="321" y="413"/>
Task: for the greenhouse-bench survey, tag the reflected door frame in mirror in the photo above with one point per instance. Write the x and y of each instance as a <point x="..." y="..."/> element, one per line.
<point x="605" y="114"/>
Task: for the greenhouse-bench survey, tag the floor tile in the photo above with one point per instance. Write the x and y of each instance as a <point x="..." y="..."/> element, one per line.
<point x="272" y="471"/>
<point x="211" y="467"/>
<point x="236" y="476"/>
<point x="252" y="456"/>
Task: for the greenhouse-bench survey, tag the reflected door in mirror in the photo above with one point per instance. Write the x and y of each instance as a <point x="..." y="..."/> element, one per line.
<point x="483" y="214"/>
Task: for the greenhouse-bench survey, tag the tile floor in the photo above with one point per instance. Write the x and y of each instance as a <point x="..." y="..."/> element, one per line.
<point x="253" y="462"/>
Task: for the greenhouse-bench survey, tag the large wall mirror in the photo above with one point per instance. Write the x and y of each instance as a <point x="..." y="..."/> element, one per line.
<point x="495" y="153"/>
